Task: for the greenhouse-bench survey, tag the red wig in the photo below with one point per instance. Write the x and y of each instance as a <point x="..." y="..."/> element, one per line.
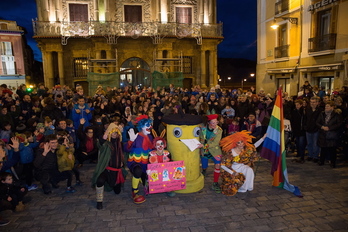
<point x="154" y="141"/>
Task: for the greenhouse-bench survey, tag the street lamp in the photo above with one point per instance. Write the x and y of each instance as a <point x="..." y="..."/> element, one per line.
<point x="243" y="82"/>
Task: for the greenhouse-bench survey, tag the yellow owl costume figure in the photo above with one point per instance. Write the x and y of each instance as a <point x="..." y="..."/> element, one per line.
<point x="185" y="126"/>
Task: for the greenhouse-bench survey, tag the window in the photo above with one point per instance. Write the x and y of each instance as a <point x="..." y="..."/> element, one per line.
<point x="80" y="67"/>
<point x="7" y="58"/>
<point x="282" y="49"/>
<point x="324" y="22"/>
<point x="78" y="12"/>
<point x="183" y="14"/>
<point x="6" y="48"/>
<point x="187" y="64"/>
<point x="132" y="13"/>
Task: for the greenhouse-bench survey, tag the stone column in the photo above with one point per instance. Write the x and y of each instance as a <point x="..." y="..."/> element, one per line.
<point x="48" y="75"/>
<point x="212" y="68"/>
<point x="203" y="70"/>
<point x="61" y="68"/>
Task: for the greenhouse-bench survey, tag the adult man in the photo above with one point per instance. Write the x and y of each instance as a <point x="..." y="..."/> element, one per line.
<point x="46" y="164"/>
<point x="210" y="137"/>
<point x="26" y="107"/>
<point x="312" y="131"/>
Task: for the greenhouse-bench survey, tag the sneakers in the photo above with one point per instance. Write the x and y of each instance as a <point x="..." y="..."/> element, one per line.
<point x="4" y="222"/>
<point x="70" y="190"/>
<point x="79" y="183"/>
<point x="216" y="187"/>
<point x="32" y="187"/>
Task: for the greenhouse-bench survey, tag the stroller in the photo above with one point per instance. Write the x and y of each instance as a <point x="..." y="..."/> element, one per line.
<point x="288" y="136"/>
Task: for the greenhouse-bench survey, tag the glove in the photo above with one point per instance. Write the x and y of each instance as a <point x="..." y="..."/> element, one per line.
<point x="132" y="135"/>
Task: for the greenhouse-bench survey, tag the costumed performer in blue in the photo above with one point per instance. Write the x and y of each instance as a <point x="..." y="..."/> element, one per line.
<point x="108" y="170"/>
<point x="139" y="146"/>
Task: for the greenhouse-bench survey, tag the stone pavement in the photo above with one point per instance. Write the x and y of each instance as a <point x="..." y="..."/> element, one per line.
<point x="266" y="208"/>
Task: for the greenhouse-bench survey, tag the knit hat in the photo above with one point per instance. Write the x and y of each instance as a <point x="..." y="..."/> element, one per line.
<point x="39" y="126"/>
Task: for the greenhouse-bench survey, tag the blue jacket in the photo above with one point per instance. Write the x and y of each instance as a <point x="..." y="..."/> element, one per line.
<point x="26" y="152"/>
<point x="76" y="117"/>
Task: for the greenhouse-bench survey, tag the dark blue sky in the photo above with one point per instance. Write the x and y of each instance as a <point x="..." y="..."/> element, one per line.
<point x="238" y="18"/>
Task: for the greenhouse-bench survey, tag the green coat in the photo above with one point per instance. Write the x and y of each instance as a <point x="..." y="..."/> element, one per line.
<point x="104" y="156"/>
<point x="213" y="143"/>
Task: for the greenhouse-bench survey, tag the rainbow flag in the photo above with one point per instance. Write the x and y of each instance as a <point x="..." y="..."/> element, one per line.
<point x="273" y="148"/>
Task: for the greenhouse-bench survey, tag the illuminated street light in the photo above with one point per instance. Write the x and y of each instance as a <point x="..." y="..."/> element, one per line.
<point x="252" y="74"/>
<point x="229" y="78"/>
<point x="243" y="82"/>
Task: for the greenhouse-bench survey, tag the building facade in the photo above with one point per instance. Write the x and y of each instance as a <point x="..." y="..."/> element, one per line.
<point x="302" y="40"/>
<point x="12" y="65"/>
<point x="133" y="41"/>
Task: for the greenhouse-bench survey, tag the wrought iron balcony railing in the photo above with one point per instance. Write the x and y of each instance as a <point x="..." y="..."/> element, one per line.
<point x="322" y="43"/>
<point x="281" y="51"/>
<point x="112" y="30"/>
<point x="281" y="6"/>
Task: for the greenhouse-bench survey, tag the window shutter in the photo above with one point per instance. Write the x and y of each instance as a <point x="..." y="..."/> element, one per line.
<point x="78" y="12"/>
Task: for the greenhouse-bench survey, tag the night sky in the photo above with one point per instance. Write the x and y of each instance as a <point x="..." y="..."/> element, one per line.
<point x="238" y="18"/>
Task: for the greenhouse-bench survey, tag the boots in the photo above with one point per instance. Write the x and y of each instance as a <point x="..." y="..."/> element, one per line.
<point x="137" y="199"/>
<point x="100" y="196"/>
<point x="20" y="207"/>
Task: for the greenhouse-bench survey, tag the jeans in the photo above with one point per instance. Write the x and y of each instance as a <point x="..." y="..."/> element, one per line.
<point x="300" y="145"/>
<point x="312" y="147"/>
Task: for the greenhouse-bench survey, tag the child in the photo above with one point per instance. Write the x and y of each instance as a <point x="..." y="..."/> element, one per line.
<point x="26" y="154"/>
<point x="234" y="127"/>
<point x="6" y="132"/>
<point x="49" y="128"/>
<point x="66" y="162"/>
<point x="11" y="195"/>
<point x="40" y="128"/>
<point x="228" y="112"/>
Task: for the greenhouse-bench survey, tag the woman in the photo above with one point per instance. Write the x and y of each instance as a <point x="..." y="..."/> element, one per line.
<point x="329" y="123"/>
<point x="237" y="163"/>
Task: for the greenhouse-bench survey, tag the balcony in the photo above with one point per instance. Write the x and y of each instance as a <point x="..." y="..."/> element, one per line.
<point x="322" y="43"/>
<point x="281" y="6"/>
<point x="113" y="30"/>
<point x="281" y="51"/>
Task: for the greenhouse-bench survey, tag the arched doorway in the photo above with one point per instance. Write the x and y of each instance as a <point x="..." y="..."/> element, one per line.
<point x="135" y="72"/>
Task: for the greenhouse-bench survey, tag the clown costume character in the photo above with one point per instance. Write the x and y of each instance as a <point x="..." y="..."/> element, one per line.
<point x="237" y="172"/>
<point x="159" y="155"/>
<point x="108" y="170"/>
<point x="210" y="137"/>
<point x="139" y="146"/>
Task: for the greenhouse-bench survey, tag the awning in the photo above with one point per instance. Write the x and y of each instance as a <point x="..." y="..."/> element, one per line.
<point x="323" y="67"/>
<point x="281" y="70"/>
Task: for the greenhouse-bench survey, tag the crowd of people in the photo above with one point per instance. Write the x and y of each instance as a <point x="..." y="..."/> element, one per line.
<point x="48" y="134"/>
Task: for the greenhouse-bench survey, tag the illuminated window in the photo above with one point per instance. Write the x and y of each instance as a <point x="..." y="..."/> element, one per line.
<point x="183" y="14"/>
<point x="80" y="67"/>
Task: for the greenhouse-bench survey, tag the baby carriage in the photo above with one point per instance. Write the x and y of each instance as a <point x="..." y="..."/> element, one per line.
<point x="288" y="136"/>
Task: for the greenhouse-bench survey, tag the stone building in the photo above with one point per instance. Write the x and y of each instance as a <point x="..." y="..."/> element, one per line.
<point x="12" y="65"/>
<point x="308" y="41"/>
<point x="133" y="42"/>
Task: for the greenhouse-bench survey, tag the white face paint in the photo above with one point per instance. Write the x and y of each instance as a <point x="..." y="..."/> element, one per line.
<point x="159" y="145"/>
<point x="146" y="129"/>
